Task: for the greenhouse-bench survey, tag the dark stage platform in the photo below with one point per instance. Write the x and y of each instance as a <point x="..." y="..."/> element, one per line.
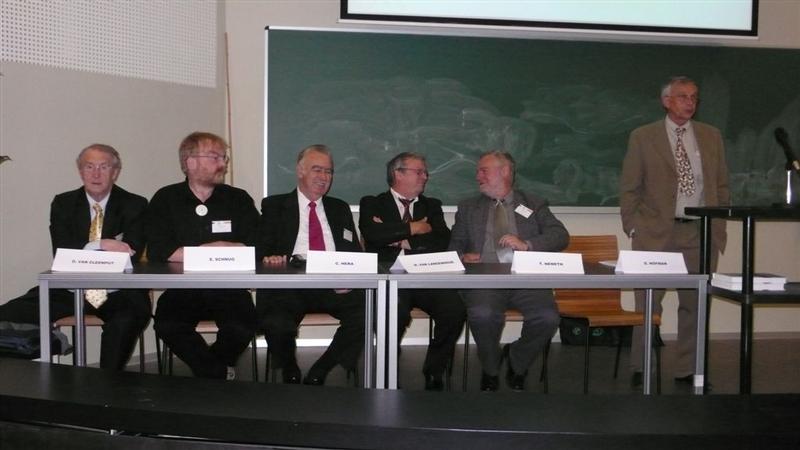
<point x="57" y="406"/>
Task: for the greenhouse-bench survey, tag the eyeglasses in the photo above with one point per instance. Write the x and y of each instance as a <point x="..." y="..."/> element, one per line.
<point x="687" y="98"/>
<point x="216" y="158"/>
<point x="89" y="168"/>
<point x="320" y="170"/>
<point x="419" y="172"/>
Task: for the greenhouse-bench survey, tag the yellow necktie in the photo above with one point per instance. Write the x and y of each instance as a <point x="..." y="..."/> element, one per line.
<point x="96" y="297"/>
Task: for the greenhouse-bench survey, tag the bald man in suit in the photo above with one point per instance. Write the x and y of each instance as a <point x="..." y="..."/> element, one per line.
<point x="653" y="195"/>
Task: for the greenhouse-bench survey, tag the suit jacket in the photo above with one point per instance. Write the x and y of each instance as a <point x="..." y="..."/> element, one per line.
<point x="541" y="230"/>
<point x="124" y="214"/>
<point x="649" y="184"/>
<point x="280" y="219"/>
<point x="378" y="236"/>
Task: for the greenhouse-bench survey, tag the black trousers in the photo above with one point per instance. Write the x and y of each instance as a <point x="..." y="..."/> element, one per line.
<point x="447" y="311"/>
<point x="179" y="311"/>
<point x="125" y="314"/>
<point x="280" y="312"/>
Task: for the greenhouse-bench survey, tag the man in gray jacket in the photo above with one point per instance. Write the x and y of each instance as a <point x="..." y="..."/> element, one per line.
<point x="488" y="229"/>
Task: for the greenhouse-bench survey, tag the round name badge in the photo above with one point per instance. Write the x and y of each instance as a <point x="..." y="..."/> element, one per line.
<point x="201" y="210"/>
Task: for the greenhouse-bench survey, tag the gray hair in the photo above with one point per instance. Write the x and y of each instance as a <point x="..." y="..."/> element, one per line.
<point x="104" y="148"/>
<point x="397" y="163"/>
<point x="666" y="89"/>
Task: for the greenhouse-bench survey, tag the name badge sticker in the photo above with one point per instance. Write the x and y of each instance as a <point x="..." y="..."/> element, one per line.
<point x="347" y="235"/>
<point x="221" y="226"/>
<point x="523" y="211"/>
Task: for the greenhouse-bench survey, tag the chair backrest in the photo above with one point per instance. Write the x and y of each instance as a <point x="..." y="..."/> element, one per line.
<point x="594" y="248"/>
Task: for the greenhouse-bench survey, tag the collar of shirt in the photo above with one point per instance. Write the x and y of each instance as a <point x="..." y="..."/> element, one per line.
<point x="102" y="203"/>
<point x="399" y="204"/>
<point x="301" y="242"/>
<point x="672" y="126"/>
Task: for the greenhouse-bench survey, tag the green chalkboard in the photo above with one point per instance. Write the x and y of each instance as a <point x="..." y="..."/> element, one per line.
<point x="564" y="109"/>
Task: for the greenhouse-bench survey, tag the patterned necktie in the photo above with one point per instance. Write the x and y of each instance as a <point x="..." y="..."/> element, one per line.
<point x="96" y="228"/>
<point x="406" y="210"/>
<point x="315" y="239"/>
<point x="96" y="297"/>
<point x="504" y="254"/>
<point x="685" y="175"/>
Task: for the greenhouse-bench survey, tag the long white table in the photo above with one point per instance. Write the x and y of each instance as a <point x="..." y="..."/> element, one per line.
<point x="380" y="288"/>
<point x="172" y="276"/>
<point x="498" y="276"/>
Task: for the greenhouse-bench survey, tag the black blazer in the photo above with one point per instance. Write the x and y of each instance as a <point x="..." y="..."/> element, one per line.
<point x="280" y="220"/>
<point x="124" y="214"/>
<point x="378" y="236"/>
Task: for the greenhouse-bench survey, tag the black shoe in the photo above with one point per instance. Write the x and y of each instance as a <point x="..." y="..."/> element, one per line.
<point x="636" y="380"/>
<point x="688" y="379"/>
<point x="434" y="383"/>
<point x="515" y="381"/>
<point x="291" y="374"/>
<point x="489" y="383"/>
<point x="314" y="380"/>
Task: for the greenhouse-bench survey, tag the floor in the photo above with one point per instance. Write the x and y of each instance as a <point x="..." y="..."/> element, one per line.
<point x="776" y="368"/>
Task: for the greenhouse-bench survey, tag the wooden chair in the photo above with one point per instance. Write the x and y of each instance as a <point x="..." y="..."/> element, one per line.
<point x="310" y="320"/>
<point x="600" y="307"/>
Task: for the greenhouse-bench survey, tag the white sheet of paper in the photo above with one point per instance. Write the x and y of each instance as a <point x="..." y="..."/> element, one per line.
<point x="72" y="260"/>
<point x="341" y="262"/>
<point x="440" y="262"/>
<point x="219" y="259"/>
<point x="634" y="261"/>
<point x="547" y="262"/>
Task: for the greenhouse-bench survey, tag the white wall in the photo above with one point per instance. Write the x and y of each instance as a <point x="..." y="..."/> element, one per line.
<point x="245" y="23"/>
<point x="47" y="115"/>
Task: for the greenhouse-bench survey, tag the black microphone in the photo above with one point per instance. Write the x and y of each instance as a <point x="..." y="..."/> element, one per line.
<point x="783" y="139"/>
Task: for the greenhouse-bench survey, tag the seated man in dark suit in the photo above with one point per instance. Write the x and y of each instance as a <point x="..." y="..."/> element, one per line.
<point x="488" y="229"/>
<point x="293" y="224"/>
<point x="97" y="216"/>
<point x="203" y="211"/>
<point x="403" y="221"/>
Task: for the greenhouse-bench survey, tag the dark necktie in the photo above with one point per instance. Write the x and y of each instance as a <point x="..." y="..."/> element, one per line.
<point x="685" y="174"/>
<point x="504" y="254"/>
<point x="406" y="210"/>
<point x="315" y="239"/>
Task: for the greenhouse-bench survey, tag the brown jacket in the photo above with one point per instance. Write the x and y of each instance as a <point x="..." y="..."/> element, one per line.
<point x="649" y="184"/>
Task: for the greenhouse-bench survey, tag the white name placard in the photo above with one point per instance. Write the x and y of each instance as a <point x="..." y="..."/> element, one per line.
<point x="634" y="261"/>
<point x="432" y="263"/>
<point x="219" y="259"/>
<point x="72" y="260"/>
<point x="547" y="262"/>
<point x="341" y="262"/>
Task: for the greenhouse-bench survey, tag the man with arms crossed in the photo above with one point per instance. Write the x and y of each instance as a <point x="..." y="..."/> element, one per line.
<point x="671" y="164"/>
<point x="403" y="221"/>
<point x="488" y="229"/>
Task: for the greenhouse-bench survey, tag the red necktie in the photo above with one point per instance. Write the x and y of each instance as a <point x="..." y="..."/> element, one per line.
<point x="315" y="240"/>
<point x="406" y="211"/>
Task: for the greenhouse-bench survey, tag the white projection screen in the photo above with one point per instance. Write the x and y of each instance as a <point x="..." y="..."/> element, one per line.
<point x="713" y="17"/>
